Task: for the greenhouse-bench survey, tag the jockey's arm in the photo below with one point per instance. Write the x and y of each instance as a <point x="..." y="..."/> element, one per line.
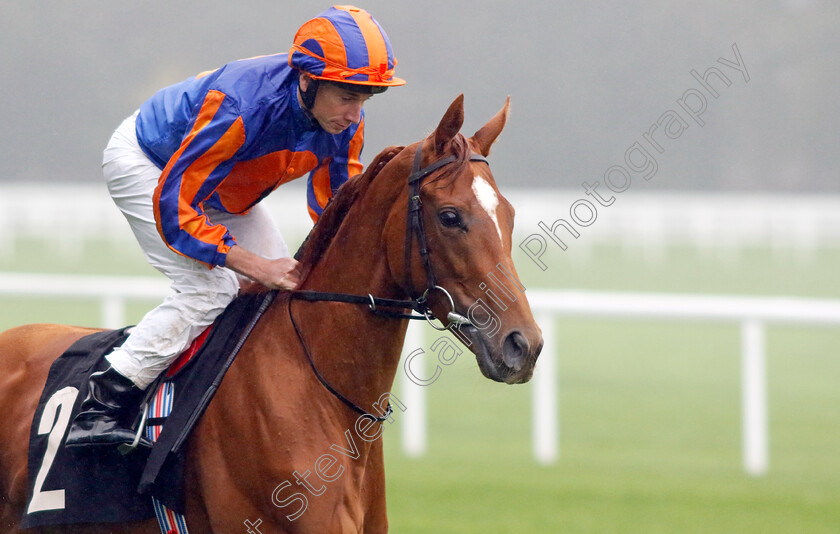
<point x="282" y="273"/>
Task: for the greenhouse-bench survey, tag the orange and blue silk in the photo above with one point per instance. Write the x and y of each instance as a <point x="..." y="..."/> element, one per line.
<point x="350" y="45"/>
<point x="227" y="138"/>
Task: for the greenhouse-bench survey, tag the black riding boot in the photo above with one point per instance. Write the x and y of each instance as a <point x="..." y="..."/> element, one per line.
<point x="112" y="398"/>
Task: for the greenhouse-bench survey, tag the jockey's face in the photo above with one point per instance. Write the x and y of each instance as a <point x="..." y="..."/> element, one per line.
<point x="335" y="109"/>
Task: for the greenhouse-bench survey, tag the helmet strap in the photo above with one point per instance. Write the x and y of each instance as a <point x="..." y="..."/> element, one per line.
<point x="308" y="96"/>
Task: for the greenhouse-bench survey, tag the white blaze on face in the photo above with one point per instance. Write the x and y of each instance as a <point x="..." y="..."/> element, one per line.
<point x="486" y="196"/>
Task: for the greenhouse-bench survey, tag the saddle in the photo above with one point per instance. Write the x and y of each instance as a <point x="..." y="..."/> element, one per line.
<point x="101" y="484"/>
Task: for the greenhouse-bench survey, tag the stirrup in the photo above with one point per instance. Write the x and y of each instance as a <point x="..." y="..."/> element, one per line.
<point x="126" y="448"/>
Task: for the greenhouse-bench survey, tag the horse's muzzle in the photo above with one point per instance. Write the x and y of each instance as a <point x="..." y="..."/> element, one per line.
<point x="511" y="361"/>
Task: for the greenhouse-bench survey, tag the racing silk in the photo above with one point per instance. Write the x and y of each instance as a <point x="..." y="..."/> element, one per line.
<point x="227" y="138"/>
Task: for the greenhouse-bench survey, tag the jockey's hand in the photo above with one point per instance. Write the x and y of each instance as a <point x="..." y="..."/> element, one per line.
<point x="282" y="273"/>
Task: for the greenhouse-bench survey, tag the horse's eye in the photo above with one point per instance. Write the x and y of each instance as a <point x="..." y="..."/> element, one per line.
<point x="450" y="218"/>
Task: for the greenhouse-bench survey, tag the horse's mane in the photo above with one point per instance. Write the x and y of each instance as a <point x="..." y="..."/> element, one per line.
<point x="321" y="235"/>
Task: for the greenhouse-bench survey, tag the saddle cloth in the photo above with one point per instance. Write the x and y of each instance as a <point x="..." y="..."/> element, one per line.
<point x="98" y="484"/>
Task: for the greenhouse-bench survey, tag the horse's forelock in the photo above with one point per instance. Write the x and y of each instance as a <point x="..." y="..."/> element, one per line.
<point x="461" y="149"/>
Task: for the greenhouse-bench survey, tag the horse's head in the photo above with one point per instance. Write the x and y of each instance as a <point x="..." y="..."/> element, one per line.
<point x="467" y="225"/>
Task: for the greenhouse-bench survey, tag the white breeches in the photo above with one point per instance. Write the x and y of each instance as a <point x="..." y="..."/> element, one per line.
<point x="199" y="294"/>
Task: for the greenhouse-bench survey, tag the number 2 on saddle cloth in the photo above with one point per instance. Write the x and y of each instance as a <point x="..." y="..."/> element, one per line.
<point x="94" y="485"/>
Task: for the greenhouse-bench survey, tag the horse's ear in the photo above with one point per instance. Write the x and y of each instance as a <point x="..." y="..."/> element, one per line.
<point x="488" y="133"/>
<point x="450" y="124"/>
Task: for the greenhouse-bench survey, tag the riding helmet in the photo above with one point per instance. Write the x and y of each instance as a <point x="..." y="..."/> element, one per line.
<point x="344" y="45"/>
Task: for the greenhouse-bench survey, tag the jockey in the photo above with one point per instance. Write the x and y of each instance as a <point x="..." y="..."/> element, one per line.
<point x="189" y="168"/>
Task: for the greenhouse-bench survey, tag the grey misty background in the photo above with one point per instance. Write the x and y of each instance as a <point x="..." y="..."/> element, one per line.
<point x="586" y="79"/>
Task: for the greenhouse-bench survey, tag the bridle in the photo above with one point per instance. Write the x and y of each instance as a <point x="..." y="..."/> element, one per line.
<point x="418" y="303"/>
<point x="414" y="228"/>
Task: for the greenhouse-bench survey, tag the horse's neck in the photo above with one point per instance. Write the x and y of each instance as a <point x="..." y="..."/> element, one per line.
<point x="356" y="350"/>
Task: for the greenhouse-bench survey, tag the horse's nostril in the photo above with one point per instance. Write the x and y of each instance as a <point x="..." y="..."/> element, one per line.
<point x="515" y="350"/>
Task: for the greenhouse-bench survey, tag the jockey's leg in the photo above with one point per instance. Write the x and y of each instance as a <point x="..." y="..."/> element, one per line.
<point x="199" y="294"/>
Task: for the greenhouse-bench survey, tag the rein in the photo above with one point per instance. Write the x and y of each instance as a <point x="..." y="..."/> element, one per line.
<point x="414" y="228"/>
<point x="373" y="303"/>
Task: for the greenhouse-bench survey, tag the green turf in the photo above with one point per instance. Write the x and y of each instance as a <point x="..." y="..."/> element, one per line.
<point x="650" y="438"/>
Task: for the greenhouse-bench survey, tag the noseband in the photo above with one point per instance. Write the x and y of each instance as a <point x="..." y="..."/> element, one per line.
<point x="414" y="229"/>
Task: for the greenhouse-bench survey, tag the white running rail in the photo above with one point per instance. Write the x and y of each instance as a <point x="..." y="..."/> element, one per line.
<point x="751" y="313"/>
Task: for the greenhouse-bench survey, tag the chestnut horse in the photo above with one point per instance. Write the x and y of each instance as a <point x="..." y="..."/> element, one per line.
<point x="276" y="447"/>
